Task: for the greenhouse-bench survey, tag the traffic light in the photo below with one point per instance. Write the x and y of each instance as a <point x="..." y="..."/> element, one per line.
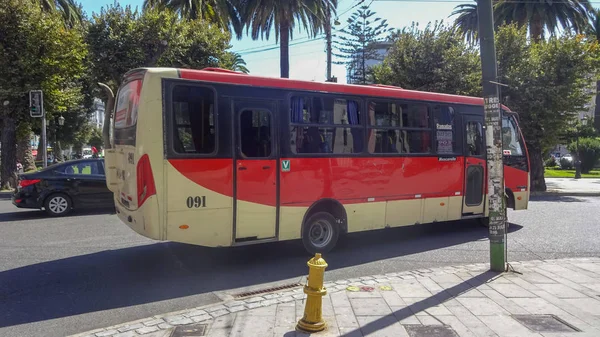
<point x="36" y="103"/>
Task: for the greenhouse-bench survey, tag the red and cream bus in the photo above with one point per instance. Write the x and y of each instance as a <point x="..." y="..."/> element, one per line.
<point x="218" y="158"/>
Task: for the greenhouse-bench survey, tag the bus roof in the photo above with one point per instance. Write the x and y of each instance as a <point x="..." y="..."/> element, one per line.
<point x="228" y="76"/>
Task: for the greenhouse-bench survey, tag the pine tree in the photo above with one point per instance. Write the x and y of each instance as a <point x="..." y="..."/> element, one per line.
<point x="359" y="42"/>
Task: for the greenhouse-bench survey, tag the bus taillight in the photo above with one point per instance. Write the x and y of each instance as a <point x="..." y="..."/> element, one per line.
<point x="145" y="180"/>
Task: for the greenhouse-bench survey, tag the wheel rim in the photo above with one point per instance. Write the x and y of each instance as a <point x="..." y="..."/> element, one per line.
<point x="320" y="233"/>
<point x="58" y="204"/>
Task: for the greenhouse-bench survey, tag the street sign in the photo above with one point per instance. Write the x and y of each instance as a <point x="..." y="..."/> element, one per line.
<point x="36" y="103"/>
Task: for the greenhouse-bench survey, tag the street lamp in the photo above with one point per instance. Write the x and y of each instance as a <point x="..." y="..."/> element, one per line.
<point x="578" y="161"/>
<point x="60" y="121"/>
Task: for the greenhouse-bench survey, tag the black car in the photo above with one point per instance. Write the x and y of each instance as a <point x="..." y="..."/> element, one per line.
<point x="64" y="186"/>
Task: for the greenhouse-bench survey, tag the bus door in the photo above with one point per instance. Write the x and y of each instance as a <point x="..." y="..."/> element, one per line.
<point x="475" y="165"/>
<point x="255" y="163"/>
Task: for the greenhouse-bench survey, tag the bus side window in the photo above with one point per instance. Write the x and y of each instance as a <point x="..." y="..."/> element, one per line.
<point x="474" y="139"/>
<point x="193" y="120"/>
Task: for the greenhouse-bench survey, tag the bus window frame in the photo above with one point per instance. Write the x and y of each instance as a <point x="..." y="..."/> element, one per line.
<point x="458" y="130"/>
<point x="238" y="153"/>
<point x="399" y="101"/>
<point x="129" y="131"/>
<point x="169" y="121"/>
<point x="288" y="124"/>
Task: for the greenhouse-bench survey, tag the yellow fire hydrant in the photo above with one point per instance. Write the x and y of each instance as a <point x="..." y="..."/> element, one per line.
<point x="314" y="290"/>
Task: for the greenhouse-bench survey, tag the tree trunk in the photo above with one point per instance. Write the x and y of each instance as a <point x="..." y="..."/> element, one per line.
<point x="58" y="152"/>
<point x="597" y="108"/>
<point x="24" y="154"/>
<point x="536" y="170"/>
<point x="9" y="154"/>
<point x="536" y="29"/>
<point x="38" y="157"/>
<point x="284" y="50"/>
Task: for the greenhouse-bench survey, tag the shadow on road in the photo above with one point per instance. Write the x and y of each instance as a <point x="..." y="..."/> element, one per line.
<point x="34" y="214"/>
<point x="162" y="271"/>
<point x="556" y="198"/>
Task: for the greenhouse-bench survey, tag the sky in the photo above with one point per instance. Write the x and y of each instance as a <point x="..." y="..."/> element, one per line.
<point x="308" y="58"/>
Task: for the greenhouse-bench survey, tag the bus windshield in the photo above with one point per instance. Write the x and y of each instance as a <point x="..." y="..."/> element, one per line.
<point x="511" y="138"/>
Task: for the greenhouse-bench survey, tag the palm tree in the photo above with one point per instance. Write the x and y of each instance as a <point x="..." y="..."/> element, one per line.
<point x="70" y="10"/>
<point x="262" y="16"/>
<point x="594" y="32"/>
<point x="235" y="62"/>
<point x="537" y="15"/>
<point x="541" y="15"/>
<point x="466" y="22"/>
<point x="223" y="13"/>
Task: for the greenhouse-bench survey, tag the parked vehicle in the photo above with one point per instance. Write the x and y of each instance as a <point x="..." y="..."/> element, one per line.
<point x="566" y="162"/>
<point x="64" y="186"/>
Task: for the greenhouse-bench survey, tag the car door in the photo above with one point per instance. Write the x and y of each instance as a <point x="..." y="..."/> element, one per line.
<point x="87" y="183"/>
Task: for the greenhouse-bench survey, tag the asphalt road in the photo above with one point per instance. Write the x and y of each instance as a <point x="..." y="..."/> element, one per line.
<point x="85" y="271"/>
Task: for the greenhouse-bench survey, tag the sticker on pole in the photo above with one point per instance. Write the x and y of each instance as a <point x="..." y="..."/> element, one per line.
<point x="285" y="166"/>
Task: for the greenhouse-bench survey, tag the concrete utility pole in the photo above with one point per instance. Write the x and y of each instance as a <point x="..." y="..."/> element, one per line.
<point x="493" y="134"/>
<point x="328" y="40"/>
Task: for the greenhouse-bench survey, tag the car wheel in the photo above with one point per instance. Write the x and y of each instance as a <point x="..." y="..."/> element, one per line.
<point x="58" y="204"/>
<point x="320" y="233"/>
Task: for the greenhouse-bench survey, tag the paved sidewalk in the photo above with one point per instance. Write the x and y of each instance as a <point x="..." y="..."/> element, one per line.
<point x="573" y="187"/>
<point x="545" y="298"/>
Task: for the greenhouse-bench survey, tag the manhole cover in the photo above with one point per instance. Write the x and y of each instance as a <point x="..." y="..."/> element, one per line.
<point x="190" y="331"/>
<point x="430" y="331"/>
<point x="545" y="323"/>
<point x="266" y="291"/>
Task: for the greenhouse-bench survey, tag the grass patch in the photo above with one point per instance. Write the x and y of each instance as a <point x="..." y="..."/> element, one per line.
<point x="551" y="172"/>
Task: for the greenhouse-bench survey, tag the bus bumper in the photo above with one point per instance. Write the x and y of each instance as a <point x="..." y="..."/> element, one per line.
<point x="144" y="220"/>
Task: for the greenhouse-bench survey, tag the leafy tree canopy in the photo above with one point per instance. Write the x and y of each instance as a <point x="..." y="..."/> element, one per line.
<point x="432" y="59"/>
<point x="37" y="51"/>
<point x="549" y="82"/>
<point x="121" y="39"/>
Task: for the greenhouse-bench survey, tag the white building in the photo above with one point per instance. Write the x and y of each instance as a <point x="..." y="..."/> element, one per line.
<point x="381" y="49"/>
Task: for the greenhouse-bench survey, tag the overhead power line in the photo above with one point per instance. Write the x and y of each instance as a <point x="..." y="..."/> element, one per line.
<point x="278" y="46"/>
<point x="360" y="2"/>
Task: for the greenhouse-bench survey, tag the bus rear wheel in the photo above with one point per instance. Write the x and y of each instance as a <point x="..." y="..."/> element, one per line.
<point x="320" y="233"/>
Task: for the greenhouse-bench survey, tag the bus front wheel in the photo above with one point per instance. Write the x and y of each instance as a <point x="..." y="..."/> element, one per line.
<point x="320" y="233"/>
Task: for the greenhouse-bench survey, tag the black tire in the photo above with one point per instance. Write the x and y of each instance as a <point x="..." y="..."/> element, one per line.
<point x="320" y="233"/>
<point x="58" y="204"/>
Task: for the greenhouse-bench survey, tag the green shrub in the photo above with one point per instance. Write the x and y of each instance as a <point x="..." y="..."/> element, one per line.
<point x="550" y="162"/>
<point x="589" y="152"/>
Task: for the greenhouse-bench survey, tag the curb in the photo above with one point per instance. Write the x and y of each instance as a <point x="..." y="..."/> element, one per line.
<point x="558" y="193"/>
<point x="205" y="314"/>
